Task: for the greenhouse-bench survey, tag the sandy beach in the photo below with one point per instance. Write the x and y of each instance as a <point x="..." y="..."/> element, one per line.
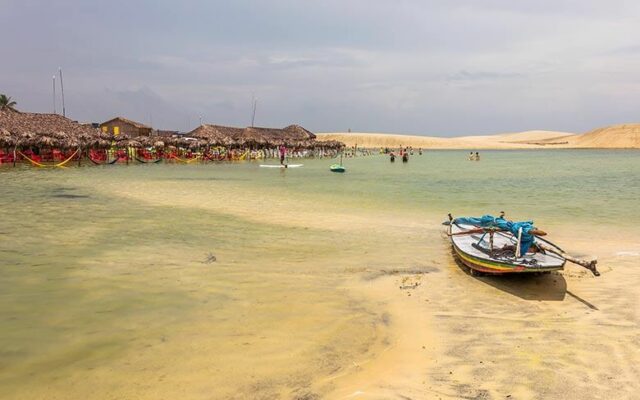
<point x="623" y="136"/>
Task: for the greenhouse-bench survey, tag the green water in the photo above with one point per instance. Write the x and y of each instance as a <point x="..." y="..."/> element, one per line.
<point x="108" y="288"/>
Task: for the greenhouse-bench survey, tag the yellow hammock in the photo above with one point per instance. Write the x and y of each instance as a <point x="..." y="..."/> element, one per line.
<point x="185" y="160"/>
<point x="243" y="156"/>
<point x="58" y="165"/>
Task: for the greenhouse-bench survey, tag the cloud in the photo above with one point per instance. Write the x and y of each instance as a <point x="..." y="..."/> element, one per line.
<point x="464" y="75"/>
<point x="408" y="65"/>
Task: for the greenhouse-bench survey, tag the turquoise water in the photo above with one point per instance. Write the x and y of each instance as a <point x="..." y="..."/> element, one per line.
<point x="108" y="280"/>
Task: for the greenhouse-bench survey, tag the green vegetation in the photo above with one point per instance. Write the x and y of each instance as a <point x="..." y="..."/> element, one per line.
<point x="6" y="103"/>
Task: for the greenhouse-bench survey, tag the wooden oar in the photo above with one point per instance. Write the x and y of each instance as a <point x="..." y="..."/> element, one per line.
<point x="590" y="265"/>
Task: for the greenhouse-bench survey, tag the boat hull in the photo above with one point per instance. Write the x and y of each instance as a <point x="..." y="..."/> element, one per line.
<point x="337" y="168"/>
<point x="474" y="252"/>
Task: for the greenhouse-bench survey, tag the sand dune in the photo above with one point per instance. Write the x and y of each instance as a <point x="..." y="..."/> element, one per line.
<point x="619" y="136"/>
<point x="616" y="136"/>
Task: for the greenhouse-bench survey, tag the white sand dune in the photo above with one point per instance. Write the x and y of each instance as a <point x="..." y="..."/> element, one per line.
<point x="616" y="136"/>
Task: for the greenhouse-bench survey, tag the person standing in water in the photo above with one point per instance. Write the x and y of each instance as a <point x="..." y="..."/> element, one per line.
<point x="471" y="156"/>
<point x="283" y="153"/>
<point x="477" y="156"/>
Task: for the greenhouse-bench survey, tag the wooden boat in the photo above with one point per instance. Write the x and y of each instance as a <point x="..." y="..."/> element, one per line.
<point x="493" y="252"/>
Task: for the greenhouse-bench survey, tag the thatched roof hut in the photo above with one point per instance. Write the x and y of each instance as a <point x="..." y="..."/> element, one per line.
<point x="252" y="137"/>
<point x="300" y="132"/>
<point x="44" y="130"/>
<point x="216" y="134"/>
<point x="292" y="135"/>
<point x="7" y="139"/>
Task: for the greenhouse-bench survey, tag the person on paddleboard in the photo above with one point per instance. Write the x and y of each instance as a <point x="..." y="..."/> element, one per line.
<point x="283" y="153"/>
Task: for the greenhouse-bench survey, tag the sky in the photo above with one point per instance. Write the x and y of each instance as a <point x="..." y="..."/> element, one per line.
<point x="426" y="67"/>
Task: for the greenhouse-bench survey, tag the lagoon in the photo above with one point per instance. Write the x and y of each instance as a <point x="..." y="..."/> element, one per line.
<point x="234" y="281"/>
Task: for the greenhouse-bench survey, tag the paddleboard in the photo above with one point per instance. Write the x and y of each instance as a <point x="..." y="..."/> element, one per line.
<point x="281" y="166"/>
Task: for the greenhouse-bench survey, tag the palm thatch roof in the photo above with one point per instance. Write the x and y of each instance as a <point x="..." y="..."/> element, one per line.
<point x="329" y="144"/>
<point x="216" y="134"/>
<point x="292" y="135"/>
<point x="52" y="130"/>
<point x="300" y="132"/>
<point x="44" y="130"/>
<point x="6" y="138"/>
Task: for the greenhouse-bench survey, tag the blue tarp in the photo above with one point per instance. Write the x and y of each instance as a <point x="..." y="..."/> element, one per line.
<point x="489" y="221"/>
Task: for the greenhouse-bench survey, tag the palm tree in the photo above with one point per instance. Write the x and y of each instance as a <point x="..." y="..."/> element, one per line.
<point x="6" y="103"/>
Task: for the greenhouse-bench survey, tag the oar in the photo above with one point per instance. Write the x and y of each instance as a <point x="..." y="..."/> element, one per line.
<point x="590" y="265"/>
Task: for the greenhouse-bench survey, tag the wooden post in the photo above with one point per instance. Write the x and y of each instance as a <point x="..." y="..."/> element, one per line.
<point x="491" y="241"/>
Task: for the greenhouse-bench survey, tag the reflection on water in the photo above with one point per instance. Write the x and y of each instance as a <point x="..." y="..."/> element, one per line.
<point x="231" y="281"/>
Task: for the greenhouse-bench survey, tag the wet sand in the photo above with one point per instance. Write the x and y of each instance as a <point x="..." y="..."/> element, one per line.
<point x="441" y="333"/>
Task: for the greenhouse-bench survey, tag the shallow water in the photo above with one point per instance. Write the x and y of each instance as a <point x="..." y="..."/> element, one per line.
<point x="234" y="281"/>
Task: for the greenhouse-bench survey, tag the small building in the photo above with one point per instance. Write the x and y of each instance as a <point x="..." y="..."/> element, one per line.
<point x="119" y="125"/>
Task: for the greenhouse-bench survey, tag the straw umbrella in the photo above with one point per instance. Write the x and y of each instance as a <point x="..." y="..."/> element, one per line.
<point x="6" y="138"/>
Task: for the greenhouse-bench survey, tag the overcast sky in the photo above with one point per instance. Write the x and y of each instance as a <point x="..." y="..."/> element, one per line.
<point x="428" y="67"/>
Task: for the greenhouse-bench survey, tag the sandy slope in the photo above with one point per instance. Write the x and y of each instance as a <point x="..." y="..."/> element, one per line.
<point x="623" y="136"/>
<point x="616" y="136"/>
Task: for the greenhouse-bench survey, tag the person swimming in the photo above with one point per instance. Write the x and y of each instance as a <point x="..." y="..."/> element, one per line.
<point x="471" y="156"/>
<point x="477" y="156"/>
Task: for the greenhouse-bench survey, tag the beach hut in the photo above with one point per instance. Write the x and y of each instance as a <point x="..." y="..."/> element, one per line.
<point x="119" y="125"/>
<point x="42" y="136"/>
<point x="300" y="132"/>
<point x="216" y="135"/>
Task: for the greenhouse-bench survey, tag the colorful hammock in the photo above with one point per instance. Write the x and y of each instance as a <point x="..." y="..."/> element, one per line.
<point x="103" y="163"/>
<point x="58" y="165"/>
<point x="184" y="160"/>
<point x="148" y="162"/>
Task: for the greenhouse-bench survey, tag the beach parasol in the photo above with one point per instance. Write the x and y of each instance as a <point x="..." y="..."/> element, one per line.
<point x="7" y="139"/>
